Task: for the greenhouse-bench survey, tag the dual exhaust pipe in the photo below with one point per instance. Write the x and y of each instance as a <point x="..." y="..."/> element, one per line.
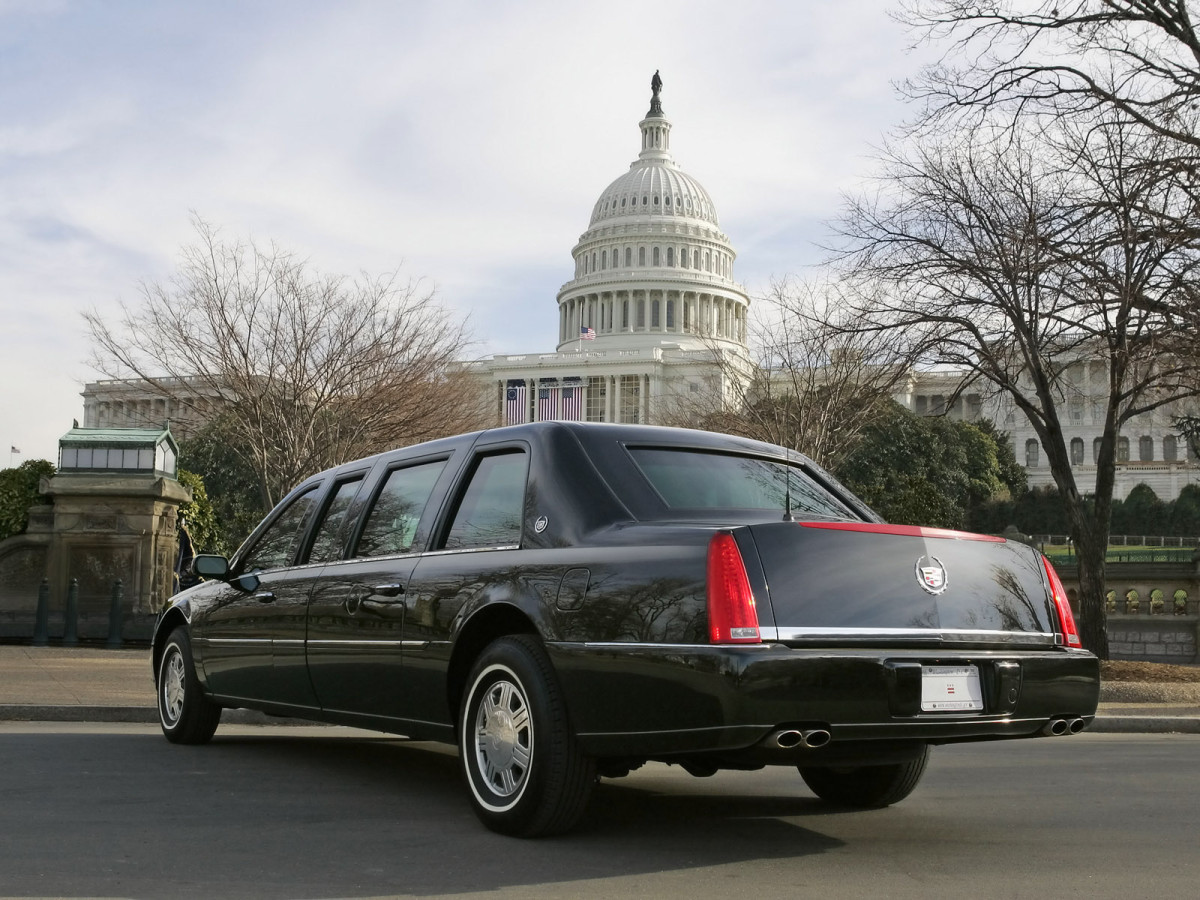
<point x="791" y="738"/>
<point x="812" y="738"/>
<point x="1059" y="727"/>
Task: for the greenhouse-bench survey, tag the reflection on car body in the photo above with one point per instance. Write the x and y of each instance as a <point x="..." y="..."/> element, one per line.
<point x="565" y="601"/>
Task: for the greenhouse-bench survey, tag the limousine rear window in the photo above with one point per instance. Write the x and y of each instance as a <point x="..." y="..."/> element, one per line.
<point x="490" y="511"/>
<point x="697" y="479"/>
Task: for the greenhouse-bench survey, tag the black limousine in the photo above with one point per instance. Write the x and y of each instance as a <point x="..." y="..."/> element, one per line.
<point x="567" y="601"/>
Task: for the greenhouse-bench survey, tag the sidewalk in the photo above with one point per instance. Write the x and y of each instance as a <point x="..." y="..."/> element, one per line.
<point x="86" y="684"/>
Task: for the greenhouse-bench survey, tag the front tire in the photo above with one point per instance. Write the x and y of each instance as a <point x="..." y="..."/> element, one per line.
<point x="525" y="774"/>
<point x="186" y="715"/>
<point x="866" y="787"/>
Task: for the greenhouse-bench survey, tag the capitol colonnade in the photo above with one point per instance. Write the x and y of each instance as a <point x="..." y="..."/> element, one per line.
<point x="653" y="311"/>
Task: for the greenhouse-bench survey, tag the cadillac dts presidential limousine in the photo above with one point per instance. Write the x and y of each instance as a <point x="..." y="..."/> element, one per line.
<point x="567" y="601"/>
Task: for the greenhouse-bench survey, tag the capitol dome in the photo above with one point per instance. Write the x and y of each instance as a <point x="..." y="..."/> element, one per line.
<point x="654" y="267"/>
<point x="655" y="186"/>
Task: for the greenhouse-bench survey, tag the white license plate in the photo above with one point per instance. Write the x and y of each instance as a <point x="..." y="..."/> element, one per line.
<point x="949" y="688"/>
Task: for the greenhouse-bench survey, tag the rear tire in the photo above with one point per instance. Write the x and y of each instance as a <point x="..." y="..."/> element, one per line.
<point x="186" y="715"/>
<point x="865" y="787"/>
<point x="524" y="771"/>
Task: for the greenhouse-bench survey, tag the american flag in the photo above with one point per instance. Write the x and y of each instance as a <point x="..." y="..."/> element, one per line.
<point x="548" y="394"/>
<point x="516" y="407"/>
<point x="587" y="334"/>
<point x="572" y="400"/>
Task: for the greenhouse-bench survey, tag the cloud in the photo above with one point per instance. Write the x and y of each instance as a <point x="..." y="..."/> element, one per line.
<point x="465" y="142"/>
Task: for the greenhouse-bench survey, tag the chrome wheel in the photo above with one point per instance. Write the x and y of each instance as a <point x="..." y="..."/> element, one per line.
<point x="173" y="685"/>
<point x="525" y="773"/>
<point x="186" y="715"/>
<point x="504" y="738"/>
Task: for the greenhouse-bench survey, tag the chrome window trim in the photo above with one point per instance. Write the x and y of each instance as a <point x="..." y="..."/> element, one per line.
<point x="456" y="550"/>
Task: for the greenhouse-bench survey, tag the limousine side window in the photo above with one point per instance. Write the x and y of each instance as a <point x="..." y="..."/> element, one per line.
<point x="391" y="524"/>
<point x="327" y="545"/>
<point x="491" y="509"/>
<point x="276" y="547"/>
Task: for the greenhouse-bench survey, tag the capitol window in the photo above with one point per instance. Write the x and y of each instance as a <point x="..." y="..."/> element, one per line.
<point x="670" y="256"/>
<point x="1031" y="454"/>
<point x="1170" y="449"/>
<point x="641" y="256"/>
<point x="656" y="257"/>
<point x="1077" y="451"/>
<point x="628" y="256"/>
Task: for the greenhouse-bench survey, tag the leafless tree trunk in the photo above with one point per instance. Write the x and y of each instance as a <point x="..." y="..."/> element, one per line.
<point x="310" y="370"/>
<point x="1017" y="259"/>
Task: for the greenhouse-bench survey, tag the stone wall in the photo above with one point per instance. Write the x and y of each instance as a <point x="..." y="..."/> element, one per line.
<point x="1153" y="609"/>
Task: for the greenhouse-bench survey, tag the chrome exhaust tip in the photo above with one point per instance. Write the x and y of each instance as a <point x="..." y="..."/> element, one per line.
<point x="1056" y="727"/>
<point x="788" y="739"/>
<point x="1077" y="725"/>
<point x="791" y="738"/>
<point x="815" y="737"/>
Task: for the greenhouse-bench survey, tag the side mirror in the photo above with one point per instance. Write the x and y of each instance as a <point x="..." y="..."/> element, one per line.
<point x="210" y="566"/>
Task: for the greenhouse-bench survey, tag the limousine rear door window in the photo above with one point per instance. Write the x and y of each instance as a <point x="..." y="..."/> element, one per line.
<point x="391" y="524"/>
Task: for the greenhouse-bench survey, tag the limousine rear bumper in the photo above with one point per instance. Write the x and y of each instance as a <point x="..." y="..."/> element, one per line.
<point x="654" y="700"/>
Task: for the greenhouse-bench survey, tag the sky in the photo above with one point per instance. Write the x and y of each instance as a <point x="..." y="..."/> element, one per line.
<point x="460" y="143"/>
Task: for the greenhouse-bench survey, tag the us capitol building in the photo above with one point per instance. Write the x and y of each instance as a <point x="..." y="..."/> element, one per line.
<point x="653" y="274"/>
<point x="654" y="316"/>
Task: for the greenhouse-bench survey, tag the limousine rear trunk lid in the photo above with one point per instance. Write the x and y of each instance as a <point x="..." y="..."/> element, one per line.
<point x="876" y="582"/>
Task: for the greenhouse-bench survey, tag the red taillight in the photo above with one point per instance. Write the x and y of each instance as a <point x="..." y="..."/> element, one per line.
<point x="732" y="618"/>
<point x="1066" y="618"/>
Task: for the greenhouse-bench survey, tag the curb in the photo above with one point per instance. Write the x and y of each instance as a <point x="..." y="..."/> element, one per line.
<point x="1144" y="725"/>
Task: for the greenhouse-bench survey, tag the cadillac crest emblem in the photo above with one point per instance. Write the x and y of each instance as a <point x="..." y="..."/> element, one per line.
<point x="931" y="574"/>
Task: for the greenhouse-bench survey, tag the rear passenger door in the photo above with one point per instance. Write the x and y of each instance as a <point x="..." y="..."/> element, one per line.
<point x="473" y="558"/>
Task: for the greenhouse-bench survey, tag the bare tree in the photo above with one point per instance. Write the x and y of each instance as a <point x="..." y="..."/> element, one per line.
<point x="1135" y="61"/>
<point x="812" y="384"/>
<point x="1015" y="260"/>
<point x="307" y="370"/>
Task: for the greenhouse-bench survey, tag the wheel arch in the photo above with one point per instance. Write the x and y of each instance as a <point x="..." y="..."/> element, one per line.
<point x="495" y="620"/>
<point x="171" y="619"/>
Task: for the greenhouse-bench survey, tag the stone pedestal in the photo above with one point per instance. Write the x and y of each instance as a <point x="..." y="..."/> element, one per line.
<point x="109" y="526"/>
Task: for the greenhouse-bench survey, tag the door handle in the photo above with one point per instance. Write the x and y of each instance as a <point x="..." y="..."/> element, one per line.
<point x="388" y="590"/>
<point x="265" y="597"/>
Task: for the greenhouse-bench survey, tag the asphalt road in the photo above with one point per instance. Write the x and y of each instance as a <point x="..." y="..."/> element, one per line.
<point x="116" y="811"/>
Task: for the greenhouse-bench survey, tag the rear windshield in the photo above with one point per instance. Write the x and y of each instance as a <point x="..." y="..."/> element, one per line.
<point x="696" y="479"/>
